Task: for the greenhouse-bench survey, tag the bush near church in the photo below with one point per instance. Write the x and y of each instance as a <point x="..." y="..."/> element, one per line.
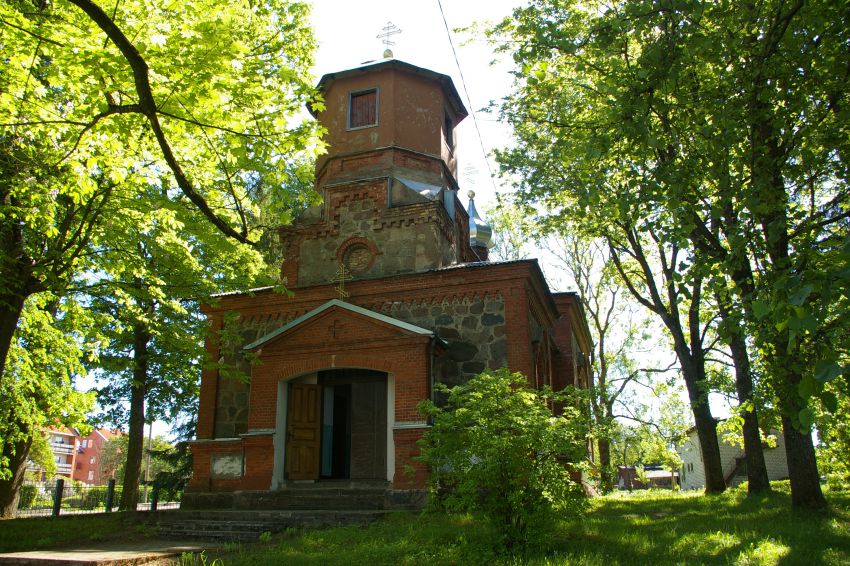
<point x="496" y="450"/>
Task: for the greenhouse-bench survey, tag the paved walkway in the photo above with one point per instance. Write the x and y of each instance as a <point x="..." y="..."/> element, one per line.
<point x="106" y="553"/>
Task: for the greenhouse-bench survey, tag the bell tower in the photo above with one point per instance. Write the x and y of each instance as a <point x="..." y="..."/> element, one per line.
<point x="388" y="180"/>
<point x="389" y="117"/>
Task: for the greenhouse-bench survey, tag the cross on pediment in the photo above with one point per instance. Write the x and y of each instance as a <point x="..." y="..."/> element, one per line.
<point x="334" y="327"/>
<point x="342" y="275"/>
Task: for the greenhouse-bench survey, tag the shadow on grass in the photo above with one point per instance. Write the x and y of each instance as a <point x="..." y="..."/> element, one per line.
<point x="649" y="528"/>
<point x="655" y="529"/>
<point x="726" y="529"/>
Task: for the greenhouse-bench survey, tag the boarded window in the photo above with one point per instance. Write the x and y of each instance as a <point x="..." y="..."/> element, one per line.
<point x="363" y="109"/>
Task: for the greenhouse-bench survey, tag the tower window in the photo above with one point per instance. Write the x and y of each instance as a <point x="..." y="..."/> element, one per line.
<point x="363" y="109"/>
<point x="448" y="126"/>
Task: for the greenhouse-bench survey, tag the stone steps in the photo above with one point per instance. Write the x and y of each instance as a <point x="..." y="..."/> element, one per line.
<point x="247" y="526"/>
<point x="245" y="515"/>
<point x="324" y="497"/>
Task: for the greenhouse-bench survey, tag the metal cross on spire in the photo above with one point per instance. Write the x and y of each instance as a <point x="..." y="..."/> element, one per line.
<point x="389" y="30"/>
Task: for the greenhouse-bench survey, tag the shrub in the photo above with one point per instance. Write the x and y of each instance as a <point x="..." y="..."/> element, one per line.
<point x="497" y="451"/>
<point x="94" y="497"/>
<point x="27" y="496"/>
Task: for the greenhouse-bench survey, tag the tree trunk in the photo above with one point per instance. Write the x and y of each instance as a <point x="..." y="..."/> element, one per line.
<point x="136" y="432"/>
<point x="768" y="158"/>
<point x="606" y="474"/>
<point x="11" y="305"/>
<point x="707" y="434"/>
<point x="10" y="489"/>
<point x="16" y="284"/>
<point x="706" y="426"/>
<point x="799" y="450"/>
<point x="802" y="468"/>
<point x="757" y="480"/>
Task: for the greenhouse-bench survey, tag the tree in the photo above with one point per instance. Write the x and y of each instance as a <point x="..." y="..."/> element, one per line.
<point x="655" y="427"/>
<point x="724" y="121"/>
<point x="200" y="103"/>
<point x="39" y="390"/>
<point x="147" y="286"/>
<point x="197" y="98"/>
<point x="732" y="327"/>
<point x="513" y="228"/>
<point x="45" y="224"/>
<point x="834" y="434"/>
<point x="113" y="459"/>
<point x="617" y="328"/>
<point x="564" y="164"/>
<point x="497" y="450"/>
<point x="614" y="331"/>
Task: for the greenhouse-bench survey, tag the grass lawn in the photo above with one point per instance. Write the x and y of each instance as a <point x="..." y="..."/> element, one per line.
<point x="69" y="530"/>
<point x="653" y="528"/>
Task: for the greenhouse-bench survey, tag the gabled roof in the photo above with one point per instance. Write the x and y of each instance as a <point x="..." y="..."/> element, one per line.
<point x="343" y="305"/>
<point x="107" y="434"/>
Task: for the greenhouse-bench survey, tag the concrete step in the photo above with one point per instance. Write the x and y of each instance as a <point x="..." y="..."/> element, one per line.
<point x="249" y="525"/>
<point x="304" y="497"/>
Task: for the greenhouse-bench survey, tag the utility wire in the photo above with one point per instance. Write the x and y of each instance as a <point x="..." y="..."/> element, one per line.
<point x="468" y="99"/>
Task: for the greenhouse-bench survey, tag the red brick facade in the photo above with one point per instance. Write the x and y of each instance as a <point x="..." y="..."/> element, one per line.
<point x="416" y="312"/>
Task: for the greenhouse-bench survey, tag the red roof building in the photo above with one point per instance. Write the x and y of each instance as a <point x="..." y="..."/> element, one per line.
<point x="79" y="457"/>
<point x="88" y="467"/>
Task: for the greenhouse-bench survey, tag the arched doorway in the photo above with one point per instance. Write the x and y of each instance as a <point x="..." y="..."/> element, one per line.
<point x="337" y="426"/>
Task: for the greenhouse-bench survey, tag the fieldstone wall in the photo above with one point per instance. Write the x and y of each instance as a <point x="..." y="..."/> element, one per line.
<point x="234" y="376"/>
<point x="405" y="239"/>
<point x="231" y="407"/>
<point x="473" y="327"/>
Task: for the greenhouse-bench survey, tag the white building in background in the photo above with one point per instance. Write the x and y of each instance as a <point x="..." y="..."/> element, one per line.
<point x="692" y="473"/>
<point x="64" y="444"/>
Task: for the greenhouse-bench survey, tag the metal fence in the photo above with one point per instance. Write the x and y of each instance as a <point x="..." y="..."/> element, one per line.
<point x="40" y="499"/>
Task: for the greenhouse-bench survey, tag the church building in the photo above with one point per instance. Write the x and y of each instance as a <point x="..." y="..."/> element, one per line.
<point x="391" y="292"/>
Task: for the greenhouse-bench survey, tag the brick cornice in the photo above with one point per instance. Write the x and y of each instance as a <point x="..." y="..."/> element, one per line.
<point x="432" y="287"/>
<point x="325" y="165"/>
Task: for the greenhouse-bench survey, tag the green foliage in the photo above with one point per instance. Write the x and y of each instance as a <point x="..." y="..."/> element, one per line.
<point x="225" y="82"/>
<point x="834" y="435"/>
<point x="38" y="391"/>
<point x="496" y="450"/>
<point x="113" y="458"/>
<point x="131" y="138"/>
<point x="42" y="457"/>
<point x="513" y="229"/>
<point x="28" y="495"/>
<point x="714" y="136"/>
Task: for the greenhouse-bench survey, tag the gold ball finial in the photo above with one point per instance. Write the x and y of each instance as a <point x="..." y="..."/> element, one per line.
<point x="389" y="30"/>
<point x="471" y="194"/>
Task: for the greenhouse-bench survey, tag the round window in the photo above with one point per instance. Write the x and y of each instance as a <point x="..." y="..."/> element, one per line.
<point x="357" y="258"/>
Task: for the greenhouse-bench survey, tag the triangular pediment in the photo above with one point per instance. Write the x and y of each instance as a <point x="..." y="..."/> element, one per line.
<point x="337" y="321"/>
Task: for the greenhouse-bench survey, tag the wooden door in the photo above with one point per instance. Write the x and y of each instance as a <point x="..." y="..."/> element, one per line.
<point x="369" y="430"/>
<point x="303" y="428"/>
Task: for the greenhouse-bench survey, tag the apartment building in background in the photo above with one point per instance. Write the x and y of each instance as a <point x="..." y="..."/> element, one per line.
<point x="78" y="457"/>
